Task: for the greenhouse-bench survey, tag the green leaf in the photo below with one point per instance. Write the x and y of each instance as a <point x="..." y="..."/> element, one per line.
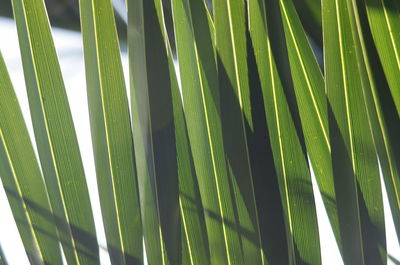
<point x="194" y="238"/>
<point x="199" y="118"/>
<point x="111" y="133"/>
<point x="384" y="20"/>
<point x="55" y="135"/>
<point x="142" y="133"/>
<point x="192" y="211"/>
<point x="158" y="158"/>
<point x="309" y="86"/>
<point x="353" y="150"/>
<point x="240" y="122"/>
<point x="290" y="162"/>
<point x="231" y="190"/>
<point x="381" y="123"/>
<point x="23" y="181"/>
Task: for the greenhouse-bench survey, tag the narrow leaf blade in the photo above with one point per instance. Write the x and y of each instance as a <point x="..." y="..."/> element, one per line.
<point x="23" y="181"/>
<point x="111" y="133"/>
<point x="384" y="20"/>
<point x="55" y="134"/>
<point x="290" y="163"/>
<point x="344" y="84"/>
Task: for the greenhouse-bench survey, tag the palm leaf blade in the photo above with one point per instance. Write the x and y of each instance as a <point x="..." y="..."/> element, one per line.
<point x="383" y="126"/>
<point x="297" y="199"/>
<point x="55" y="134"/>
<point x="346" y="99"/>
<point x="155" y="128"/>
<point x="23" y="181"/>
<point x="384" y="20"/>
<point x="111" y="132"/>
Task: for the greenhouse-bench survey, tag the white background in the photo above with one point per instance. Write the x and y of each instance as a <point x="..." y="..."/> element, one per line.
<point x="69" y="48"/>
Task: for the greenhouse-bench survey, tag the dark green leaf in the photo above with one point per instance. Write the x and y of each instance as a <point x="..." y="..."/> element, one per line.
<point x="384" y="20"/>
<point x="353" y="151"/>
<point x="290" y="162"/>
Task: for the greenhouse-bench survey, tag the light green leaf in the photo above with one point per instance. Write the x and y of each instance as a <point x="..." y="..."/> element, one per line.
<point x="111" y="133"/>
<point x="192" y="212"/>
<point x="309" y="86"/>
<point x="23" y="181"/>
<point x="55" y="134"/>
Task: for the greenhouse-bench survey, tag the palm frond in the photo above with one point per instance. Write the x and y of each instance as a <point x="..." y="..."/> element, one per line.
<point x="205" y="158"/>
<point x="55" y="134"/>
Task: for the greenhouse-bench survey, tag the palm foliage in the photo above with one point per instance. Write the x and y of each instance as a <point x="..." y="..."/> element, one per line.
<point x="232" y="106"/>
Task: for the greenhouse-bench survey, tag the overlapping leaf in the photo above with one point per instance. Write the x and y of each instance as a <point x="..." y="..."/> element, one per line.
<point x="55" y="135"/>
<point x="385" y="123"/>
<point x="290" y="162"/>
<point x="231" y="189"/>
<point x="171" y="199"/>
<point x="198" y="153"/>
<point x="111" y="133"/>
<point x="353" y="150"/>
<point x="23" y="181"/>
<point x="384" y="20"/>
<point x="309" y="88"/>
<point x="206" y="142"/>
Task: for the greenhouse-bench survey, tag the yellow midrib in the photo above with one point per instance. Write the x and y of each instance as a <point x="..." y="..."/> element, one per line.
<point x="309" y="86"/>
<point x="391" y="34"/>
<point x="344" y="76"/>
<point x="107" y="133"/>
<point x="281" y="152"/>
<point x="47" y="132"/>
<point x="28" y="215"/>
<point x="212" y="156"/>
